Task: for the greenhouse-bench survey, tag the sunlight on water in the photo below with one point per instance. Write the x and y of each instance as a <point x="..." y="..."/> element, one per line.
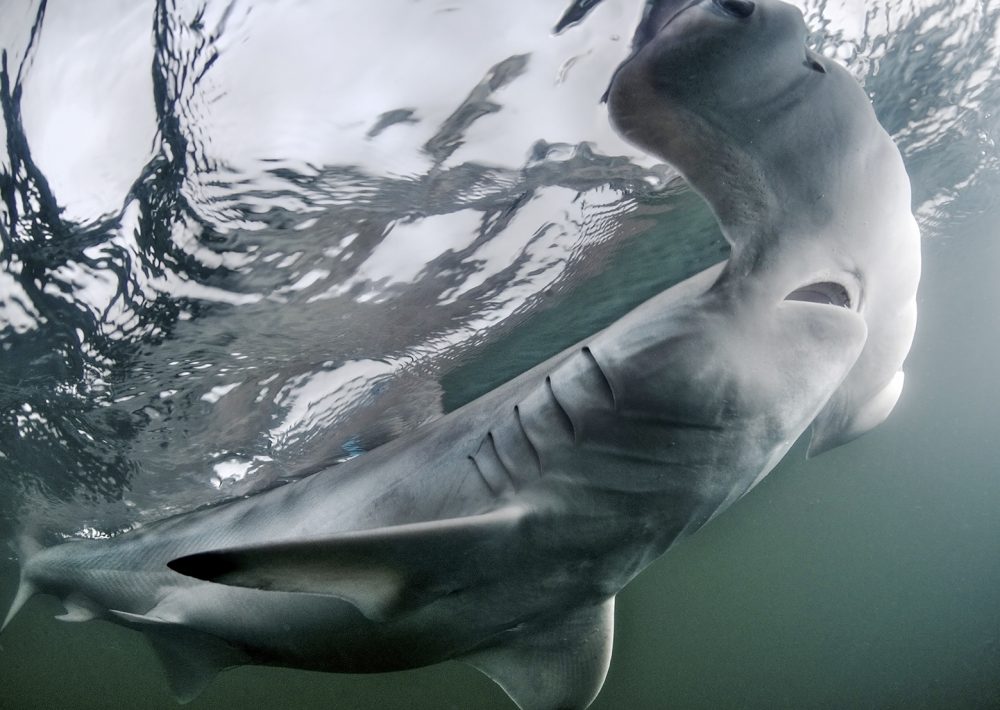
<point x="285" y="235"/>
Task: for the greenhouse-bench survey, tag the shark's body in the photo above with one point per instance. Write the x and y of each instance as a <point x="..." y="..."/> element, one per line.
<point x="501" y="533"/>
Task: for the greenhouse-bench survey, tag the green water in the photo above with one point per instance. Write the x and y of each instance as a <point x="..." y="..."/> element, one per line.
<point x="865" y="578"/>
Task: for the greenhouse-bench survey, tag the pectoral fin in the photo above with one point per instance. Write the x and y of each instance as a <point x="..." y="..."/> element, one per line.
<point x="559" y="665"/>
<point x="78" y="608"/>
<point x="382" y="572"/>
<point x="838" y="424"/>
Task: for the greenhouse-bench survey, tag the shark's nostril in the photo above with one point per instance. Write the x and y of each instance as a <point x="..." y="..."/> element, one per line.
<point x="737" y="8"/>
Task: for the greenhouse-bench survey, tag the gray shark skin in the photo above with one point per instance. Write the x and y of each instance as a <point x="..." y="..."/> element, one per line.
<point x="788" y="152"/>
<point x="500" y="534"/>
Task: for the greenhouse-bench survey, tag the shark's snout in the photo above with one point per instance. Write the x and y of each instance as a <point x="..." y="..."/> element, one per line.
<point x="660" y="14"/>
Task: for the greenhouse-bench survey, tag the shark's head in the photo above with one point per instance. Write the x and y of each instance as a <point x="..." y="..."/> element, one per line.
<point x="750" y="51"/>
<point x="809" y="190"/>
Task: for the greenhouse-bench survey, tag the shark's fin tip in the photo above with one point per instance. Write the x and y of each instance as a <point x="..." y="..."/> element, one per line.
<point x="190" y="659"/>
<point x="27" y="547"/>
<point x="25" y="591"/>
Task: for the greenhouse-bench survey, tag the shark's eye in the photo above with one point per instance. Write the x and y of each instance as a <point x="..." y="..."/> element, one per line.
<point x="826" y="292"/>
<point x="812" y="61"/>
<point x="736" y="8"/>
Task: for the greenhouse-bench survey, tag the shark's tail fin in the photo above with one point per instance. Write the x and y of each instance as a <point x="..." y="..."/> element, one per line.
<point x="27" y="547"/>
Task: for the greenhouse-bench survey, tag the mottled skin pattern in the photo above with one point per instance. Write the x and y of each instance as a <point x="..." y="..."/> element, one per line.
<point x="500" y="534"/>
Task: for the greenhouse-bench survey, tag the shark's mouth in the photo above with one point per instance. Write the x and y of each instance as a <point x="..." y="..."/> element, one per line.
<point x="825" y="292"/>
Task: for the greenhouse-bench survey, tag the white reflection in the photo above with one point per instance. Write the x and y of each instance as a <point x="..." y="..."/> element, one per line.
<point x="218" y="392"/>
<point x="304" y="84"/>
<point x="16" y="309"/>
<point x="540" y="239"/>
<point x="88" y="107"/>
<point x="425" y="61"/>
<point x="407" y="249"/>
<point x="324" y="394"/>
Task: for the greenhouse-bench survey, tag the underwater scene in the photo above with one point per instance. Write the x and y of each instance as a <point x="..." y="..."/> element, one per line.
<point x="243" y="242"/>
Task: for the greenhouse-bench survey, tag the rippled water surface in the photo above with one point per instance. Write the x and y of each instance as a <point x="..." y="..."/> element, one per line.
<point x="244" y="241"/>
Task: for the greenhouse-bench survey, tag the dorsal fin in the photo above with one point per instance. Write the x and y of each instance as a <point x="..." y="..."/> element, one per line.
<point x="558" y="665"/>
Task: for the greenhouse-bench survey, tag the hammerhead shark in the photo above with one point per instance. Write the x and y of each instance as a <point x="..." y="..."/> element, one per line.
<point x="499" y="535"/>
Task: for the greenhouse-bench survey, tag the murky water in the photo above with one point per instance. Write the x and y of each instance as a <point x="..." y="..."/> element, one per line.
<point x="243" y="241"/>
